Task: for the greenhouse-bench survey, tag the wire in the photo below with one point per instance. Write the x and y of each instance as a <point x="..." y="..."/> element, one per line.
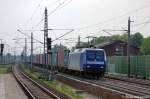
<point x="36" y="8"/>
<point x="65" y="4"/>
<point x="113" y="18"/>
<point x="143" y="23"/>
<point x="58" y="7"/>
<point x="29" y="36"/>
<point x="63" y="35"/>
<point x="146" y="22"/>
<point x="39" y="4"/>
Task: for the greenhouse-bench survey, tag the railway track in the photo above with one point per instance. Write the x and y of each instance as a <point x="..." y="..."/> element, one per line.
<point x="127" y="87"/>
<point x="139" y="85"/>
<point x="135" y="90"/>
<point x="31" y="87"/>
<point x="132" y="80"/>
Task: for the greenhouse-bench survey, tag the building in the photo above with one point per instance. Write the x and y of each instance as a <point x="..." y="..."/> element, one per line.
<point x="118" y="48"/>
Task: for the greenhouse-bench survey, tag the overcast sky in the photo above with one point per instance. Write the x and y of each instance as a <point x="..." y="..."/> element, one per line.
<point x="87" y="17"/>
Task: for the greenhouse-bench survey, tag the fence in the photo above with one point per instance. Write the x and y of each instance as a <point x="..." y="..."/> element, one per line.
<point x="139" y="65"/>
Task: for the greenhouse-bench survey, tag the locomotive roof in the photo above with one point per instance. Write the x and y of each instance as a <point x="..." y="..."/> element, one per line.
<point x="84" y="49"/>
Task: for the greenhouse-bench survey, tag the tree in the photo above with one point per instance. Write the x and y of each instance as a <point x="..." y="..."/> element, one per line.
<point x="59" y="48"/>
<point x="145" y="48"/>
<point x="124" y="37"/>
<point x="137" y="39"/>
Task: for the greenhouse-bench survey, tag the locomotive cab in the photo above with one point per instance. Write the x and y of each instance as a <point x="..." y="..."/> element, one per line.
<point x="94" y="61"/>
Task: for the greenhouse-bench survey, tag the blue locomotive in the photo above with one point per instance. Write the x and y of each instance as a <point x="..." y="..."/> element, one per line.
<point x="88" y="61"/>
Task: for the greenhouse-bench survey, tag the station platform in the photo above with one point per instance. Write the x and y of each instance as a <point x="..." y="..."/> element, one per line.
<point x="9" y="88"/>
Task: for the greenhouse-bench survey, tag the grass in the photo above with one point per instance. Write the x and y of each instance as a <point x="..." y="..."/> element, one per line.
<point x="60" y="87"/>
<point x="4" y="69"/>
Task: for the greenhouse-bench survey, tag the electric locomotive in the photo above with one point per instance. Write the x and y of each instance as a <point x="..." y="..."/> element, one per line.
<point x="88" y="61"/>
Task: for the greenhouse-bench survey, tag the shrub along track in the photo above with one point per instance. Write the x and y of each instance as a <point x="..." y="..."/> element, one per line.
<point x="33" y="89"/>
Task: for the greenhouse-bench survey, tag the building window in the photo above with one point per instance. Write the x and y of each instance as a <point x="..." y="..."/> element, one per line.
<point x="119" y="51"/>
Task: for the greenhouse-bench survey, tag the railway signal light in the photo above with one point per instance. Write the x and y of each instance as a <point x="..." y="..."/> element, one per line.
<point x="2" y="48"/>
<point x="49" y="45"/>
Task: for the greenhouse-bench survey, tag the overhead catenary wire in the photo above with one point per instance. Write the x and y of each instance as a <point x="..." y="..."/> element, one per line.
<point x="135" y="25"/>
<point x="54" y="10"/>
<point x="30" y="19"/>
<point x="36" y="9"/>
<point x="141" y="23"/>
<point x="113" y="18"/>
<point x="60" y="7"/>
<point x="29" y="36"/>
<point x="63" y="35"/>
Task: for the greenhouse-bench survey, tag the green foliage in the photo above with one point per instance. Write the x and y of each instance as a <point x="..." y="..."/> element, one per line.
<point x="59" y="48"/>
<point x="145" y="48"/>
<point x="102" y="39"/>
<point x="137" y="39"/>
<point x="4" y="69"/>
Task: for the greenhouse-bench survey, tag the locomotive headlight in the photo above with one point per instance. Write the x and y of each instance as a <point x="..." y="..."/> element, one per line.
<point x="101" y="67"/>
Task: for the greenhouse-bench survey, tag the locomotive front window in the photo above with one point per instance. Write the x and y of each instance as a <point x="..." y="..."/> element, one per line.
<point x="95" y="55"/>
<point x="100" y="56"/>
<point x="90" y="55"/>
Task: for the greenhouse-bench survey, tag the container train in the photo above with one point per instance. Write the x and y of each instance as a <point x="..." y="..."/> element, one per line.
<point x="86" y="61"/>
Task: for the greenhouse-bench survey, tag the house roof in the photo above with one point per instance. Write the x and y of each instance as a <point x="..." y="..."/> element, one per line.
<point x="113" y="42"/>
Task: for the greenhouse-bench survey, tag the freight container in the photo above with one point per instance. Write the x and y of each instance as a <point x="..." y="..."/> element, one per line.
<point x="41" y="60"/>
<point x="60" y="57"/>
<point x="54" y="59"/>
<point x="74" y="61"/>
<point x="66" y="58"/>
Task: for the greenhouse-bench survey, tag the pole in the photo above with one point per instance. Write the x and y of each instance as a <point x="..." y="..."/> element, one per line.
<point x="94" y="42"/>
<point x="6" y="54"/>
<point x="4" y="57"/>
<point x="1" y="53"/>
<point x="31" y="49"/>
<point x="25" y="49"/>
<point x="45" y="38"/>
<point x="78" y="45"/>
<point x="128" y="47"/>
<point x="14" y="57"/>
<point x="88" y="41"/>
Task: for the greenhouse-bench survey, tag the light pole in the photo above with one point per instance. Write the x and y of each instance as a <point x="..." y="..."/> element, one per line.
<point x="128" y="47"/>
<point x="1" y="52"/>
<point x="31" y="49"/>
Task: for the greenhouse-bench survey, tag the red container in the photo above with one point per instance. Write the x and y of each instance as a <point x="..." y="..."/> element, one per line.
<point x="41" y="59"/>
<point x="38" y="59"/>
<point x="60" y="57"/>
